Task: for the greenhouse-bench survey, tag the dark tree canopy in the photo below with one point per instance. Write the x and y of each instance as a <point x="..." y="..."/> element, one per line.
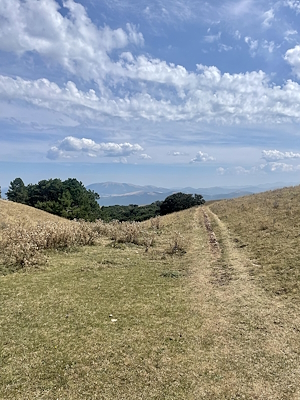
<point x="17" y="191"/>
<point x="180" y="201"/>
<point x="132" y="212"/>
<point x="68" y="198"/>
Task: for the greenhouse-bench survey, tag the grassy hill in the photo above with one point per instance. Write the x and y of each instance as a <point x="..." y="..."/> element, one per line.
<point x="195" y="305"/>
<point x="12" y="213"/>
<point x="267" y="226"/>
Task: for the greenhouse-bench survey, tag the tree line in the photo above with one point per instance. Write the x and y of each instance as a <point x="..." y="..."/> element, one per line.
<point x="70" y="199"/>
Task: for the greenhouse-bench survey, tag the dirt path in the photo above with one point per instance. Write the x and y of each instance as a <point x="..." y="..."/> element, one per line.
<point x="249" y="343"/>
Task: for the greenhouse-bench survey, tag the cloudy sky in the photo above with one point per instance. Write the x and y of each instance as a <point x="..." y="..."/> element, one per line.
<point x="163" y="92"/>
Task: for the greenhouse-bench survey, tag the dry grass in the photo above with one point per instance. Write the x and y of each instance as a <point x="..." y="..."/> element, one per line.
<point x="58" y="341"/>
<point x="267" y="226"/>
<point x="24" y="240"/>
<point x="185" y="325"/>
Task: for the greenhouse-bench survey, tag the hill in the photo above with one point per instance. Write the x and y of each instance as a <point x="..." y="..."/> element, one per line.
<point x="16" y="213"/>
<point x="199" y="304"/>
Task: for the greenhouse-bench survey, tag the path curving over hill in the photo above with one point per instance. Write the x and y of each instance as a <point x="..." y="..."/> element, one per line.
<point x="248" y="346"/>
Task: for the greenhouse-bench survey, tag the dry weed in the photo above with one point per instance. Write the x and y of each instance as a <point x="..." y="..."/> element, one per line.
<point x="23" y="246"/>
<point x="176" y="244"/>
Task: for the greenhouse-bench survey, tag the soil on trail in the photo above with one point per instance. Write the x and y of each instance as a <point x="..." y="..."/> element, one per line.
<point x="249" y="343"/>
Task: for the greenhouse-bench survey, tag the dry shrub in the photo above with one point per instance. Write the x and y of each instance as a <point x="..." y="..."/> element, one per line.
<point x="24" y="246"/>
<point x="125" y="232"/>
<point x="155" y="222"/>
<point x="177" y="244"/>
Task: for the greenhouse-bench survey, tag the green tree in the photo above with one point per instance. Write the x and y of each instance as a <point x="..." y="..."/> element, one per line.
<point x="17" y="191"/>
<point x="180" y="201"/>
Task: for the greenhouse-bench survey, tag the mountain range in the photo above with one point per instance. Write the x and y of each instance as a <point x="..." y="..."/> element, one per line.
<point x="113" y="193"/>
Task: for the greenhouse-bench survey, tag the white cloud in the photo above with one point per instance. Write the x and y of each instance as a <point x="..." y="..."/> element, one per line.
<point x="237" y="35"/>
<point x="145" y="157"/>
<point x="268" y="45"/>
<point x="239" y="8"/>
<point x="208" y="96"/>
<point x="202" y="157"/>
<point x="268" y="17"/>
<point x="292" y="56"/>
<point x="238" y="170"/>
<point x="178" y="153"/>
<point x="54" y="153"/>
<point x="121" y="160"/>
<point x="280" y="167"/>
<point x="253" y="45"/>
<point x="72" y="41"/>
<point x="212" y="38"/>
<point x="224" y="47"/>
<point x="274" y="155"/>
<point x="294" y="5"/>
<point x="91" y="148"/>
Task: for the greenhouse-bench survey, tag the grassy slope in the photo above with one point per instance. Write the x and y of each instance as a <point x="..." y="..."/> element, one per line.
<point x="11" y="213"/>
<point x="196" y="326"/>
<point x="268" y="226"/>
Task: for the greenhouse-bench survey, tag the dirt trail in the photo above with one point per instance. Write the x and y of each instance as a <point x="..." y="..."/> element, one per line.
<point x="248" y="347"/>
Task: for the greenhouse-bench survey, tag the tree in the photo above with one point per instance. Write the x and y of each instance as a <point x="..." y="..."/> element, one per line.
<point x="17" y="191"/>
<point x="180" y="201"/>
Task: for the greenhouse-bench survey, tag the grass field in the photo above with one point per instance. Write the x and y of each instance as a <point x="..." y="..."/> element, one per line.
<point x="188" y="317"/>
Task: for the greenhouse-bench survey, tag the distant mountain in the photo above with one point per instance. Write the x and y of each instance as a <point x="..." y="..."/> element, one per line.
<point x="112" y="193"/>
<point x="113" y="188"/>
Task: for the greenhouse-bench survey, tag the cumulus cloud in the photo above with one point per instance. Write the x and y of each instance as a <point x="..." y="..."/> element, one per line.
<point x="202" y="157"/>
<point x="54" y="153"/>
<point x="280" y="167"/>
<point x="72" y="41"/>
<point x="292" y="56"/>
<point x="157" y="90"/>
<point x="274" y="155"/>
<point x="208" y="96"/>
<point x="91" y="148"/>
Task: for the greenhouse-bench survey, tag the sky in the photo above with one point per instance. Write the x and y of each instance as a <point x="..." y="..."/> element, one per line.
<point x="162" y="92"/>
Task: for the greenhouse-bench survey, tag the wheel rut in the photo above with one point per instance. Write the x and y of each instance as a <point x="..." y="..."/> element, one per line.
<point x="242" y="350"/>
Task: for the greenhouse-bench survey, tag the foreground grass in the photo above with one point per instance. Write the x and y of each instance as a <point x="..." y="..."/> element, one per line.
<point x="59" y="341"/>
<point x="125" y="321"/>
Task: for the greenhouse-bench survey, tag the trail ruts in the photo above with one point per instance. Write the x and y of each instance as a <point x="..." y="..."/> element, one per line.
<point x="221" y="268"/>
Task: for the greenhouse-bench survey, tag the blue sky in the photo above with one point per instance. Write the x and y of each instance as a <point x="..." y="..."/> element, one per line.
<point x="163" y="92"/>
